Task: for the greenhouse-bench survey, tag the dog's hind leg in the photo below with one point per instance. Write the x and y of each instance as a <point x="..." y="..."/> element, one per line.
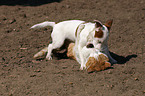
<point x="54" y="45"/>
<point x="48" y="56"/>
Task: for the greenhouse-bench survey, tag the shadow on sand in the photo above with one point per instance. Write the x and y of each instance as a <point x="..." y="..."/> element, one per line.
<point x="122" y="59"/>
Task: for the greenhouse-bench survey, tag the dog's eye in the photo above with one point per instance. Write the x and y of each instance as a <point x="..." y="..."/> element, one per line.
<point x="90" y="46"/>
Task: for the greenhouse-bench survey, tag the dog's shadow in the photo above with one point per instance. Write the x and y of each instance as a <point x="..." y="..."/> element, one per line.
<point x="122" y="59"/>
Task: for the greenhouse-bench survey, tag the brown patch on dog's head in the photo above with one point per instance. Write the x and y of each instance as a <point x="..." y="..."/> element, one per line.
<point x="108" y="24"/>
<point x="99" y="34"/>
<point x="97" y="65"/>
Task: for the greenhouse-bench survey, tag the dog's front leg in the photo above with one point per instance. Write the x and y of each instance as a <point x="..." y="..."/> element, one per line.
<point x="82" y="61"/>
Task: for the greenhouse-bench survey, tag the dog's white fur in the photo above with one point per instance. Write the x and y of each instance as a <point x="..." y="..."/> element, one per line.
<point x="85" y="34"/>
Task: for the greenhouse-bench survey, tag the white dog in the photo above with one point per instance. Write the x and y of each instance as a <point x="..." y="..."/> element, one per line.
<point x="80" y="32"/>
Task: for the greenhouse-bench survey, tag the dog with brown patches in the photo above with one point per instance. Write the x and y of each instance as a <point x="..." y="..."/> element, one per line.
<point x="94" y="59"/>
<point x="81" y="33"/>
<point x="95" y="34"/>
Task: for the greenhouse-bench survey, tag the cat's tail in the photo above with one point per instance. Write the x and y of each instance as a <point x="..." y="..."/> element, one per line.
<point x="41" y="53"/>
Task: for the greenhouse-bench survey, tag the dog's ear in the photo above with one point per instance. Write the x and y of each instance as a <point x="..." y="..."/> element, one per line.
<point x="90" y="69"/>
<point x="98" y="23"/>
<point x="108" y="24"/>
<point x="91" y="64"/>
<point x="107" y="64"/>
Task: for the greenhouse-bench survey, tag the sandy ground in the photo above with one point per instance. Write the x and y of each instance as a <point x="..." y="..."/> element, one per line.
<point x="21" y="75"/>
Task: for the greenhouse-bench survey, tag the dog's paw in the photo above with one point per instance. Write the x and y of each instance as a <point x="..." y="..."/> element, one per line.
<point x="81" y="68"/>
<point x="84" y="67"/>
<point x="48" y="58"/>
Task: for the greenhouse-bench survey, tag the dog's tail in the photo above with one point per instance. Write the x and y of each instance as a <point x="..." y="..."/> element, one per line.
<point x="41" y="53"/>
<point x="43" y="24"/>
